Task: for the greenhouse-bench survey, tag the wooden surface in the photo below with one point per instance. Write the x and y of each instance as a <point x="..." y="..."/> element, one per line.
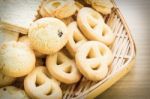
<point x="136" y="84"/>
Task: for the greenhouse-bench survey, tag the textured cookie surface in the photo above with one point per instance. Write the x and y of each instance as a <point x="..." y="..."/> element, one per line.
<point x="48" y="35"/>
<point x="16" y="59"/>
<point x="11" y="92"/>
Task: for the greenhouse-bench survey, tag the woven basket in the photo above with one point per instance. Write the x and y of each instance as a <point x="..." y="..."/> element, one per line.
<point x="124" y="52"/>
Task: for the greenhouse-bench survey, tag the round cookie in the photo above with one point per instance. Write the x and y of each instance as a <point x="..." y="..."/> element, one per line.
<point x="76" y="38"/>
<point x="11" y="92"/>
<point x="93" y="27"/>
<point x="63" y="68"/>
<point x="25" y="39"/>
<point x="6" y="80"/>
<point x="40" y="85"/>
<point x="58" y="8"/>
<point x="48" y="35"/>
<point x="16" y="59"/>
<point x="93" y="59"/>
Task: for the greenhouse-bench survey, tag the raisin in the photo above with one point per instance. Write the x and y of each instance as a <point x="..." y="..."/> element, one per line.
<point x="60" y="33"/>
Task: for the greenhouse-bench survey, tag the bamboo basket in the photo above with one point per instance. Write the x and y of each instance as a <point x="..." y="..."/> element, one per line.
<point x="124" y="52"/>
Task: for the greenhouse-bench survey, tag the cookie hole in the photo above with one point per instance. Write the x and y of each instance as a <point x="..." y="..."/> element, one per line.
<point x="92" y="22"/>
<point x="104" y="32"/>
<point x="96" y="67"/>
<point x="68" y="69"/>
<point x="4" y="89"/>
<point x="49" y="93"/>
<point x="102" y="52"/>
<point x="38" y="81"/>
<point x="56" y="4"/>
<point x="59" y="60"/>
<point x="90" y="54"/>
<point x="76" y="38"/>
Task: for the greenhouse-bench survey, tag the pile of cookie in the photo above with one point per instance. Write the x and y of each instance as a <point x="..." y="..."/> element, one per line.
<point x="69" y="40"/>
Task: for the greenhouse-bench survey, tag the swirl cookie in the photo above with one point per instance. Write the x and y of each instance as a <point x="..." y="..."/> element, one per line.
<point x="26" y="40"/>
<point x="76" y="38"/>
<point x="93" y="59"/>
<point x="16" y="59"/>
<point x="63" y="68"/>
<point x="48" y="35"/>
<point x="58" y="8"/>
<point x="40" y="85"/>
<point x="93" y="27"/>
<point x="6" y="80"/>
<point x="11" y="92"/>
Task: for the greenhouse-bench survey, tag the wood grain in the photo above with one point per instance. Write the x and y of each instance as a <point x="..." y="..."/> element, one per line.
<point x="136" y="85"/>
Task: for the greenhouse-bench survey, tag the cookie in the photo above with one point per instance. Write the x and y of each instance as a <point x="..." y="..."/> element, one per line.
<point x="93" y="59"/>
<point x="63" y="68"/>
<point x="6" y="80"/>
<point x="6" y="35"/>
<point x="11" y="92"/>
<point x="93" y="26"/>
<point x="40" y="85"/>
<point x="76" y="38"/>
<point x="16" y="59"/>
<point x="26" y="40"/>
<point x="58" y="8"/>
<point x="48" y="35"/>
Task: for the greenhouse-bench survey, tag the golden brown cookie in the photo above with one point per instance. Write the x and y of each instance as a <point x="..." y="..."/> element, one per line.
<point x="93" y="27"/>
<point x="63" y="68"/>
<point x="16" y="59"/>
<point x="40" y="85"/>
<point x="93" y="59"/>
<point x="48" y="35"/>
<point x="76" y="38"/>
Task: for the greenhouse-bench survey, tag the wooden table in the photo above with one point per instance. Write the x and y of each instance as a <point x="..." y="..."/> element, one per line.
<point x="136" y="84"/>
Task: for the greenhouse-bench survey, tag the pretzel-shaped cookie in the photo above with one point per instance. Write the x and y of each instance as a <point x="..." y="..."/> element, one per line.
<point x="92" y="60"/>
<point x="92" y="25"/>
<point x="39" y="85"/>
<point x="63" y="68"/>
<point x="76" y="38"/>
